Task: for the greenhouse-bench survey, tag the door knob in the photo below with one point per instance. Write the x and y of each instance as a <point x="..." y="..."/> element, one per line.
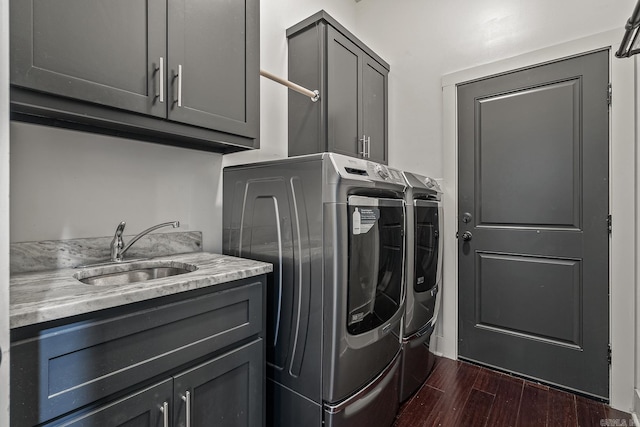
<point x="466" y="236"/>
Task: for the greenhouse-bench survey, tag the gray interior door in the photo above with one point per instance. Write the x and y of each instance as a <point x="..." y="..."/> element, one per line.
<point x="532" y="221"/>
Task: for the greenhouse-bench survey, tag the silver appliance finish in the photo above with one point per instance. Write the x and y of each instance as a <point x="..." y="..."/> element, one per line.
<point x="423" y="282"/>
<point x="298" y="213"/>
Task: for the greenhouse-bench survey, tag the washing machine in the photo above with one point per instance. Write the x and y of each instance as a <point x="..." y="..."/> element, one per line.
<point x="333" y="228"/>
<point x="423" y="273"/>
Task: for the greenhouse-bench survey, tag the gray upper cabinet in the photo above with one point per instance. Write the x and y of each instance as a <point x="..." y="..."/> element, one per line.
<point x="101" y="52"/>
<point x="343" y="94"/>
<point x="374" y="109"/>
<point x="114" y="66"/>
<point x="209" y="51"/>
<point x="352" y="114"/>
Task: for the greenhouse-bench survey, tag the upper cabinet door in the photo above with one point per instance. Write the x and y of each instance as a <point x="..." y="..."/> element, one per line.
<point x="351" y="116"/>
<point x="344" y="112"/>
<point x="105" y="52"/>
<point x="374" y="109"/>
<point x="213" y="67"/>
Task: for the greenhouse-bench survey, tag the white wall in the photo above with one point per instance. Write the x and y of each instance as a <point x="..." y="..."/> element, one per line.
<point x="4" y="212"/>
<point x="432" y="39"/>
<point x="68" y="184"/>
<point x="622" y="199"/>
<point x="275" y="17"/>
<point x="423" y="40"/>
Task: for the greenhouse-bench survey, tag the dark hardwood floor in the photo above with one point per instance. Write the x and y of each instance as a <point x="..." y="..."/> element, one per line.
<point x="462" y="394"/>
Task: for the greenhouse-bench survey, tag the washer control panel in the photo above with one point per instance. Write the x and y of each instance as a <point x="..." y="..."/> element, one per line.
<point x="354" y="168"/>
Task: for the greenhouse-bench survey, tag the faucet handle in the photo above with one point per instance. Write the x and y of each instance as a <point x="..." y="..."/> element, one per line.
<point x="117" y="243"/>
<point x="120" y="229"/>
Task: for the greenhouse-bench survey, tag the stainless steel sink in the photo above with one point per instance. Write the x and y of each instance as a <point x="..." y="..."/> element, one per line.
<point x="122" y="274"/>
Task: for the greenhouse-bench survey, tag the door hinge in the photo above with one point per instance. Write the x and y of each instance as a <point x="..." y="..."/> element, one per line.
<point x="609" y="223"/>
<point x="609" y="354"/>
<point x="609" y="94"/>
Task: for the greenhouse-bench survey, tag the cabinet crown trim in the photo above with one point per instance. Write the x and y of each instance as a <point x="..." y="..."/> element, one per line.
<point x="324" y="17"/>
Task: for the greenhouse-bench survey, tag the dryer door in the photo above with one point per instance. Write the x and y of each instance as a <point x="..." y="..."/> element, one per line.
<point x="375" y="263"/>
<point x="428" y="258"/>
<point x="427" y="244"/>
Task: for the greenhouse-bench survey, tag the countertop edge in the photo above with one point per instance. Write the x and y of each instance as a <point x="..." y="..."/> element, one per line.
<point x="57" y="295"/>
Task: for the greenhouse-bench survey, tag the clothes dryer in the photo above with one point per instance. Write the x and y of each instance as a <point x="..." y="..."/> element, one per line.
<point x="423" y="278"/>
<point x="333" y="228"/>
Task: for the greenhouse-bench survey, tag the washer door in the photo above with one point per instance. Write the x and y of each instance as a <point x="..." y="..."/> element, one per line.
<point x="375" y="263"/>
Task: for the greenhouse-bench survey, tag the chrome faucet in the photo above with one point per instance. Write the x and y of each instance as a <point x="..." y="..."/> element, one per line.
<point x="118" y="247"/>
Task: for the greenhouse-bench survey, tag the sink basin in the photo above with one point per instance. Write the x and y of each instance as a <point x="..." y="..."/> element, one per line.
<point x="122" y="274"/>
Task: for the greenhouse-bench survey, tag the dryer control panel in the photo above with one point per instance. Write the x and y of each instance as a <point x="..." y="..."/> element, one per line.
<point x="423" y="183"/>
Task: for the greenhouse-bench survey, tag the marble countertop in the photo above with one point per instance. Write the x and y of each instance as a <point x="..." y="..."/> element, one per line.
<point x="49" y="295"/>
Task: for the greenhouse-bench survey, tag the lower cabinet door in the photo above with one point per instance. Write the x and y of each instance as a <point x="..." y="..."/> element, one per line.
<point x="225" y="391"/>
<point x="150" y="407"/>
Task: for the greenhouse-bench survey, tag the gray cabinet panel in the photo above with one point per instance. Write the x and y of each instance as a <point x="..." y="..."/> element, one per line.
<point x="343" y="93"/>
<point x="69" y="366"/>
<point x="101" y="52"/>
<point x="351" y="116"/>
<point x="142" y="409"/>
<point x="374" y="109"/>
<point x="225" y="391"/>
<point x="307" y="124"/>
<point x="118" y="57"/>
<point x="214" y="48"/>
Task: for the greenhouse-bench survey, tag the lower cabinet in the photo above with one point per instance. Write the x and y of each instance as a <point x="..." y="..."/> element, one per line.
<point x="145" y="408"/>
<point x="225" y="391"/>
<point x="190" y="360"/>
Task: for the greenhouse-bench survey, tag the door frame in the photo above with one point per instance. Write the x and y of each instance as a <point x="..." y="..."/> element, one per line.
<point x="623" y="198"/>
<point x="4" y="211"/>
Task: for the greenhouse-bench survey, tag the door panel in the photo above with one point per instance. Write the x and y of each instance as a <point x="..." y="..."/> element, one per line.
<point x="537" y="148"/>
<point x="142" y="409"/>
<point x="210" y="44"/>
<point x="511" y="299"/>
<point x="374" y="113"/>
<point x="533" y="179"/>
<point x="343" y="87"/>
<point x="225" y="391"/>
<point x="102" y="52"/>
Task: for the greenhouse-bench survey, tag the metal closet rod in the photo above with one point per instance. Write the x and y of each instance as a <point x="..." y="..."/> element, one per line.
<point x="313" y="94"/>
<point x="631" y="30"/>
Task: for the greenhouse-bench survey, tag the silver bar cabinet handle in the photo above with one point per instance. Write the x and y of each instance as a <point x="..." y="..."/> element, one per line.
<point x="187" y="402"/>
<point x="363" y="140"/>
<point x="161" y="79"/>
<point x="165" y="414"/>
<point x="368" y="147"/>
<point x="180" y="87"/>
